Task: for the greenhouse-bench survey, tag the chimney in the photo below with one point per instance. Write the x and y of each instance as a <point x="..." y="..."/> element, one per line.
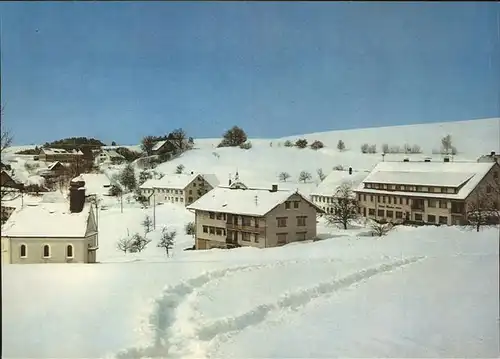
<point x="350" y="170"/>
<point x="256" y="200"/>
<point x="492" y="153"/>
<point x="274" y="188"/>
<point x="76" y="195"/>
<point x="192" y="172"/>
<point x="446" y="159"/>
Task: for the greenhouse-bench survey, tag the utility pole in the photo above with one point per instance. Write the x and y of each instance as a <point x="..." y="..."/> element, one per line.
<point x="154" y="209"/>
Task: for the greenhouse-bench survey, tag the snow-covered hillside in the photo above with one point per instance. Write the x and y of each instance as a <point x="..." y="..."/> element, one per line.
<point x="428" y="292"/>
<point x="418" y="292"/>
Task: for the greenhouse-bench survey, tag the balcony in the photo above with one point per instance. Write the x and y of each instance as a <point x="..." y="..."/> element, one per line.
<point x="242" y="228"/>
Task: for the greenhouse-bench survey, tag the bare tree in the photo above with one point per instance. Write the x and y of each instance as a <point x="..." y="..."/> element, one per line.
<point x="341" y="145"/>
<point x="124" y="244"/>
<point x="380" y="229"/>
<point x="385" y="148"/>
<point x="139" y="243"/>
<point x="446" y="144"/>
<point x="321" y="174"/>
<point x="147" y="145"/>
<point x="484" y="207"/>
<point x="345" y="206"/>
<point x="6" y="137"/>
<point x="283" y="176"/>
<point x="179" y="169"/>
<point x="305" y="176"/>
<point x="147" y="224"/>
<point x="167" y="240"/>
<point x="178" y="137"/>
<point x="190" y="229"/>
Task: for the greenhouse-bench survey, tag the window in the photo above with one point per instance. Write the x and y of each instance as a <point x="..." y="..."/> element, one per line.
<point x="443" y="220"/>
<point x="190" y="199"/>
<point x="176" y="199"/>
<point x="399" y="214"/>
<point x="371" y="198"/>
<point x="46" y="251"/>
<point x="245" y="236"/>
<point x="364" y="197"/>
<point x="190" y="191"/>
<point x="23" y="251"/>
<point x="281" y="221"/>
<point x="380" y="213"/>
<point x="256" y="221"/>
<point x="407" y="201"/>
<point x="296" y="204"/>
<point x="431" y="203"/>
<point x="418" y="216"/>
<point x="212" y="230"/>
<point x="431" y="218"/>
<point x="212" y="215"/>
<point x="301" y="221"/>
<point x="218" y="231"/>
<point x="371" y="211"/>
<point x="300" y="236"/>
<point x="281" y="238"/>
<point x="245" y="221"/>
<point x="69" y="251"/>
<point x="219" y="216"/>
<point x="443" y="204"/>
<point x="390" y="214"/>
<point x="256" y="238"/>
<point x="400" y="200"/>
<point x="389" y="200"/>
<point x="205" y="229"/>
<point x="383" y="199"/>
<point x="287" y="205"/>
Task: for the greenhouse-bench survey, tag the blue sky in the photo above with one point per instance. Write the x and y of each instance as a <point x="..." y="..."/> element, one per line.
<point x="119" y="71"/>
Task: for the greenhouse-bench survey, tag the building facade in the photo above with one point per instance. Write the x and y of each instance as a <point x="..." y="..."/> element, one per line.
<point x="179" y="188"/>
<point x="61" y="155"/>
<point x="324" y="195"/>
<point x="239" y="216"/>
<point x="52" y="232"/>
<point x="426" y="192"/>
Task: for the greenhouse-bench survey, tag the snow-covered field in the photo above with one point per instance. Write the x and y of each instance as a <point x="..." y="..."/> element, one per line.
<point x="418" y="292"/>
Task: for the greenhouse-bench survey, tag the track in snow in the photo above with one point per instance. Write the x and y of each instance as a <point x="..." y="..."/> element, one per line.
<point x="181" y="334"/>
<point x="164" y="314"/>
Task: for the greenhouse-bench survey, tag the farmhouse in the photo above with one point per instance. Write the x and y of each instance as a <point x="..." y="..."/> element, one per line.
<point x="61" y="155"/>
<point x="179" y="188"/>
<point x="324" y="196"/>
<point x="52" y="232"/>
<point x="492" y="157"/>
<point x="106" y="155"/>
<point x="170" y="146"/>
<point x="426" y="192"/>
<point x="240" y="216"/>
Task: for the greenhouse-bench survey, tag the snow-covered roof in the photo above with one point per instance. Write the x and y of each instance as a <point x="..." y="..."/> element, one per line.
<point x="96" y="183"/>
<point x="54" y="164"/>
<point x="251" y="202"/>
<point x="35" y="181"/>
<point x="60" y="151"/>
<point x="47" y="220"/>
<point x="176" y="181"/>
<point x="330" y="184"/>
<point x="159" y="145"/>
<point x="111" y="153"/>
<point x="439" y="174"/>
<point x="211" y="179"/>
